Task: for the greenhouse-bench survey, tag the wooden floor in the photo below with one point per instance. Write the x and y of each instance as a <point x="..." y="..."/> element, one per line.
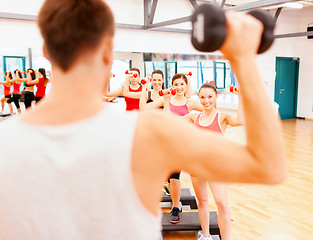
<point x="283" y="212"/>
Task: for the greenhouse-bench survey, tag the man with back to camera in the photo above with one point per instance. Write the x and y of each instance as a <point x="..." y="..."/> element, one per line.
<point x="71" y="180"/>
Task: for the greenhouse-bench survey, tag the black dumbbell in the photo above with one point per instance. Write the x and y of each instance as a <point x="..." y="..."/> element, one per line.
<point x="209" y="28"/>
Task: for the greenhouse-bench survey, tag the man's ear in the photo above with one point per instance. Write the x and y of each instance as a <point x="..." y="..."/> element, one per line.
<point x="45" y="54"/>
<point x="108" y="51"/>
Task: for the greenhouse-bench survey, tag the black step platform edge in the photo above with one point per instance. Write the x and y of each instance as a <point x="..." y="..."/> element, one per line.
<point x="189" y="221"/>
<point x="185" y="197"/>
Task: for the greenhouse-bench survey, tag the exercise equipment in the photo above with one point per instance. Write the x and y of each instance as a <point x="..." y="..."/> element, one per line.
<point x="186" y="199"/>
<point x="189" y="221"/>
<point x="233" y="89"/>
<point x="4" y="115"/>
<point x="189" y="74"/>
<point x="135" y="75"/>
<point x="144" y="81"/>
<point x="209" y="28"/>
<point x="167" y="91"/>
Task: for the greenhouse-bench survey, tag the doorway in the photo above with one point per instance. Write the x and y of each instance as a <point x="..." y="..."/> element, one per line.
<point x="286" y="86"/>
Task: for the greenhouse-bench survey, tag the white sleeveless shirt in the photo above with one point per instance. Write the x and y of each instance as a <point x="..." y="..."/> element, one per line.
<point x="72" y="182"/>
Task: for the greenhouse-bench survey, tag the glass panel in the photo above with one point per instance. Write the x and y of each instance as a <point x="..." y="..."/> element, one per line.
<point x="39" y="62"/>
<point x="228" y="78"/>
<point x="13" y="63"/>
<point x="220" y="75"/>
<point x="148" y="69"/>
<point x="118" y="69"/>
<point x="189" y="66"/>
<point x="207" y="71"/>
<point x="158" y="65"/>
<point x="171" y="71"/>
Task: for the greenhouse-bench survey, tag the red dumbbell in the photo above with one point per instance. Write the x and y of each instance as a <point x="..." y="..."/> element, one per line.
<point x="167" y="91"/>
<point x="163" y="92"/>
<point x="135" y="75"/>
<point x="126" y="72"/>
<point x="233" y="89"/>
<point x="212" y="82"/>
<point x="189" y="74"/>
<point x="144" y="81"/>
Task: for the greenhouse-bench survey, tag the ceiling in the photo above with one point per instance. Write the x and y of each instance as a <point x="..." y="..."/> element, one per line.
<point x="239" y="2"/>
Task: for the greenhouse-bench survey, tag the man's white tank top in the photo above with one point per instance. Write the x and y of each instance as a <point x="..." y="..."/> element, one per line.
<point x="72" y="182"/>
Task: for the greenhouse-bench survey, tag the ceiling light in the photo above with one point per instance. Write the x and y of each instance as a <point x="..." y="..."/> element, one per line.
<point x="292" y="5"/>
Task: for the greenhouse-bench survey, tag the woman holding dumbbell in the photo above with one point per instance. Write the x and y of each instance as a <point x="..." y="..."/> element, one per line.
<point x="157" y="92"/>
<point x="130" y="92"/>
<point x="31" y="80"/>
<point x="180" y="105"/>
<point x="7" y="92"/>
<point x="41" y="84"/>
<point x="16" y="94"/>
<point x="210" y="119"/>
<point x="149" y="98"/>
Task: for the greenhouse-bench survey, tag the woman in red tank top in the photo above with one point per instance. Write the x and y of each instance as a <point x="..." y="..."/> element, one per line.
<point x="210" y="119"/>
<point x="16" y="94"/>
<point x="130" y="92"/>
<point x="41" y="83"/>
<point x="7" y="92"/>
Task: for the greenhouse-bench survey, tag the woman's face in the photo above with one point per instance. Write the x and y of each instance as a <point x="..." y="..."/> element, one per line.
<point x="180" y="86"/>
<point x="157" y="81"/>
<point x="208" y="98"/>
<point x="134" y="80"/>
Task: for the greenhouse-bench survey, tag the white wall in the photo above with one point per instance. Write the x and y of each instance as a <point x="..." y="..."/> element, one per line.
<point x="288" y="22"/>
<point x="137" y="59"/>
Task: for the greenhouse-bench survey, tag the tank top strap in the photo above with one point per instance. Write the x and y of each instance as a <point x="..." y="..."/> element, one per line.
<point x="149" y="95"/>
<point x="197" y="121"/>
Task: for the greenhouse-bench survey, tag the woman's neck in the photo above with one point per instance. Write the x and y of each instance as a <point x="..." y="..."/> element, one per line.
<point x="180" y="97"/>
<point x="209" y="112"/>
<point x="134" y="86"/>
<point x="156" y="90"/>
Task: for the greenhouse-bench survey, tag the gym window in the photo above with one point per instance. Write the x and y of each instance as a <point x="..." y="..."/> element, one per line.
<point x="202" y="72"/>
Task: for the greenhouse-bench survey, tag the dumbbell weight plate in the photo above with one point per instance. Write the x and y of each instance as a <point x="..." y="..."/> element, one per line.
<point x="208" y="28"/>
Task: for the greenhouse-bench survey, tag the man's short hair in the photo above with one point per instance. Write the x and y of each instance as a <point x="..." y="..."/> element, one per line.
<point x="71" y="28"/>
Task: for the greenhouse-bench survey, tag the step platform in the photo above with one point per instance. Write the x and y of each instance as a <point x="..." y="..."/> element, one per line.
<point x="186" y="199"/>
<point x="189" y="221"/>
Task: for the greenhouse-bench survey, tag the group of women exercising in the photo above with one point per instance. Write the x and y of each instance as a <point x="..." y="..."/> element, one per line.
<point x="12" y="88"/>
<point x="176" y="100"/>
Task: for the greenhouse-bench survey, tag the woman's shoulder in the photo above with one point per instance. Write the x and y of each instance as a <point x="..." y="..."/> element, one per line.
<point x="222" y="116"/>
